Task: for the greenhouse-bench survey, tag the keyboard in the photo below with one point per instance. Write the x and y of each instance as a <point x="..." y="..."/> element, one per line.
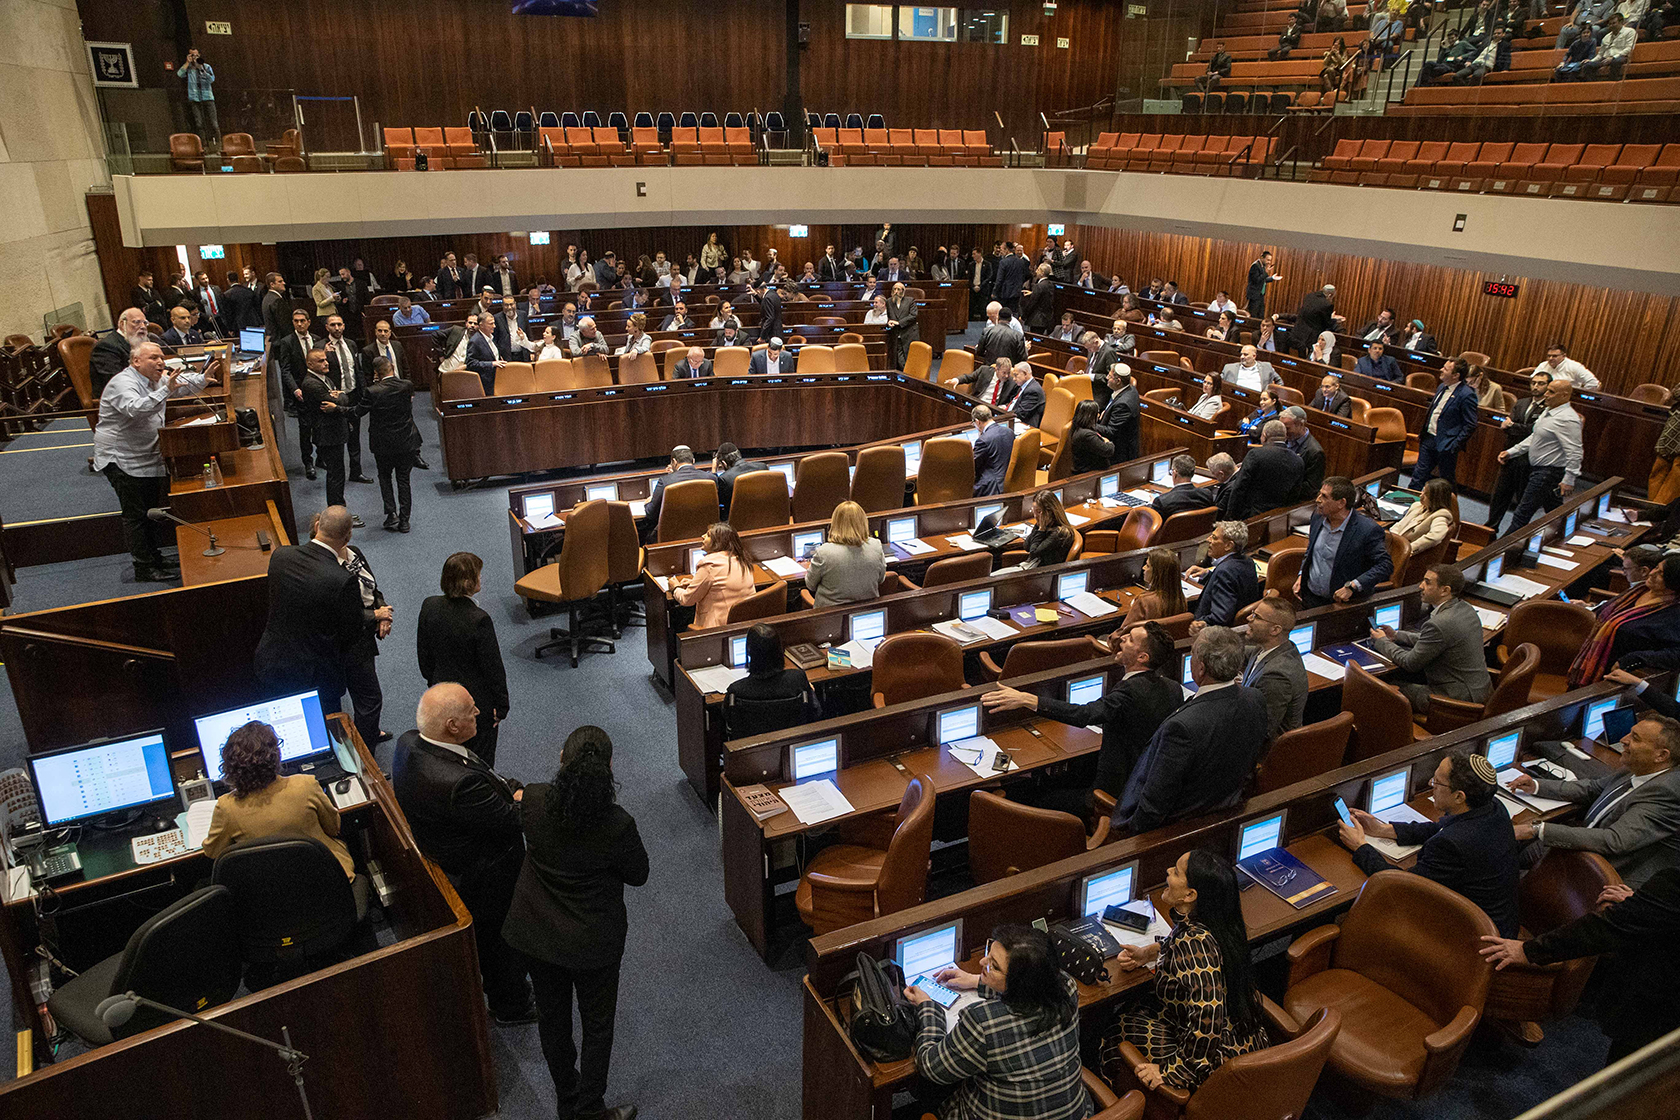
<point x="58" y="865"/>
<point x="156" y="846"/>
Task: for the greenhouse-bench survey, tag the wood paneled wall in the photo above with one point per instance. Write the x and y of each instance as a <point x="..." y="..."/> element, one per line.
<point x="119" y="264"/>
<point x="1626" y="338"/>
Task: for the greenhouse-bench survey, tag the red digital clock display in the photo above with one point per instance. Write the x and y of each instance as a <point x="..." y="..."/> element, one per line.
<point x="1499" y="288"/>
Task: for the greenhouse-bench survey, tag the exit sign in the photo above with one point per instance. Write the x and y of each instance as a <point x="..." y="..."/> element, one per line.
<point x="1029" y="40"/>
<point x="217" y="27"/>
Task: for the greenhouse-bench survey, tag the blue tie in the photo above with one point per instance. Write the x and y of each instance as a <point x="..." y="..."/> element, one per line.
<point x="1253" y="671"/>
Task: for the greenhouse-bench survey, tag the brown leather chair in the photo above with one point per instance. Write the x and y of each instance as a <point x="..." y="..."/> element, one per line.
<point x="635" y="369"/>
<point x="955" y="363"/>
<point x="947" y="471"/>
<point x="820" y="482"/>
<point x="1558" y="630"/>
<point x="1510" y="692"/>
<point x="1178" y="625"/>
<point x="768" y="603"/>
<point x="1563" y="886"/>
<point x="1136" y="531"/>
<point x="1649" y="393"/>
<point x="759" y="501"/>
<point x="1190" y="524"/>
<point x="1058" y="411"/>
<point x="1306" y="752"/>
<point x="516" y="379"/>
<point x="459" y="385"/>
<point x="1390" y="424"/>
<point x="910" y="666"/>
<point x="1059" y="461"/>
<point x="878" y="484"/>
<point x="1006" y="838"/>
<point x="1285" y="563"/>
<point x="238" y="144"/>
<point x="918" y="361"/>
<point x="1023" y="463"/>
<point x="186" y="152"/>
<point x="1269" y="1084"/>
<point x="575" y="578"/>
<point x="1404" y="972"/>
<point x="1361" y="410"/>
<point x="591" y="371"/>
<point x="75" y="353"/>
<point x="815" y="359"/>
<point x="1399" y="552"/>
<point x="1382" y="716"/>
<point x="850" y="357"/>
<point x="687" y="510"/>
<point x="625" y="560"/>
<point x="850" y="883"/>
<point x="286" y="165"/>
<point x="1417" y="563"/>
<point x="953" y="569"/>
<point x="1424" y="381"/>
<point x="731" y="361"/>
<point x="1036" y="657"/>
<point x="552" y="375"/>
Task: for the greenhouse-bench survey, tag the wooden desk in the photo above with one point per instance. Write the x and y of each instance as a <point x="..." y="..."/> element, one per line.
<point x="253" y="478"/>
<point x="242" y="553"/>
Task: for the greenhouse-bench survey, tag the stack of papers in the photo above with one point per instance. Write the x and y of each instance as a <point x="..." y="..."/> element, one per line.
<point x="1324" y="667"/>
<point x="1491" y="619"/>
<point x="1075" y="519"/>
<point x="861" y="653"/>
<point x="1517" y="585"/>
<point x="200" y="422"/>
<point x="979" y="754"/>
<point x="1141" y="494"/>
<point x="784" y="566"/>
<point x="638" y="509"/>
<point x="545" y="521"/>
<point x="1132" y="938"/>
<point x="814" y="802"/>
<point x="716" y="678"/>
<point x="1530" y="800"/>
<point x="963" y="541"/>
<point x="664" y="582"/>
<point x="960" y="631"/>
<point x="1580" y="539"/>
<point x="1614" y="514"/>
<point x="1554" y="562"/>
<point x="915" y="546"/>
<point x="994" y="628"/>
<point x="1399" y="814"/>
<point x="1089" y="605"/>
<point x="195" y="822"/>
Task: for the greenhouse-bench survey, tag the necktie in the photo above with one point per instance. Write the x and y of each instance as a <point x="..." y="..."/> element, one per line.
<point x="390" y="357"/>
<point x="210" y="298"/>
<point x="1253" y="671"/>
<point x="1608" y="800"/>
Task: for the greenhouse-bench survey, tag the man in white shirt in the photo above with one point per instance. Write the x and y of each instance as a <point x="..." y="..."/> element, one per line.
<point x="1222" y="302"/>
<point x="1250" y="372"/>
<point x="1558" y="364"/>
<point x="1614" y="47"/>
<point x="457" y="358"/>
<point x="342" y="355"/>
<point x="126" y="452"/>
<point x="1554" y="453"/>
<point x="753" y="267"/>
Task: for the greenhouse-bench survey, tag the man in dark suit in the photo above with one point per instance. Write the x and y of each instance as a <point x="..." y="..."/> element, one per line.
<point x="1444" y="655"/>
<point x="681" y="469"/>
<point x="240" y="305"/>
<point x="891" y="271"/>
<point x="483" y="356"/>
<point x="291" y="353"/>
<point x="465" y="819"/>
<point x="1383" y="328"/>
<point x="1117" y="347"/>
<point x="1447" y="426"/>
<point x="1301" y="441"/>
<point x="1347" y="552"/>
<point x="276" y="308"/>
<point x="210" y="301"/>
<point x="314" y="614"/>
<point x="769" y="312"/>
<point x="450" y="282"/>
<point x="181" y="331"/>
<point x="993" y="445"/>
<point x="1316" y="315"/>
<point x="1028" y="403"/>
<point x="730" y="465"/>
<point x="1274" y="667"/>
<point x="901" y="326"/>
<point x="1471" y="848"/>
<point x="772" y="359"/>
<point x="1129" y="713"/>
<point x="990" y="384"/>
<point x="1269" y="474"/>
<point x="1201" y="756"/>
<point x="679" y="319"/>
<point x="503" y="280"/>
<point x="327" y="407"/>
<point x="981" y="271"/>
<point x="1064" y="264"/>
<point x="346" y="371"/>
<point x="1331" y="397"/>
<point x="1171" y="294"/>
<point x="1118" y="421"/>
<point x="1378" y="363"/>
<point x="1260" y="277"/>
<point x="998" y="339"/>
<point x="1038" y="307"/>
<point x="361" y="674"/>
<point x="1185" y="495"/>
<point x="474" y="277"/>
<point x="144" y="295"/>
<point x="1230" y="584"/>
<point x="1414" y="338"/>
<point x="1010" y="277"/>
<point x="393" y="436"/>
<point x="830" y="269"/>
<point x="695" y="364"/>
<point x="110" y="354"/>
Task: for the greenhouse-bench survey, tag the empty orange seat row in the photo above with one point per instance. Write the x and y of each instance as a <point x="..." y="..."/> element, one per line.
<point x="445" y="148"/>
<point x="1630" y="95"/>
<point x="1196" y="155"/>
<point x="905" y="147"/>
<point x="1609" y="172"/>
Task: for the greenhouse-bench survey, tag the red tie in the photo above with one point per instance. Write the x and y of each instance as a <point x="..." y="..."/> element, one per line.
<point x="210" y="295"/>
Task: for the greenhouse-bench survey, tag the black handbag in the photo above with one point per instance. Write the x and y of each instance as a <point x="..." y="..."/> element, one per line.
<point x="1083" y="948"/>
<point x="883" y="1022"/>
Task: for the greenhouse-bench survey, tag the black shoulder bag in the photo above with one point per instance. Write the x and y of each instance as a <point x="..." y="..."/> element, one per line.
<point x="883" y="1022"/>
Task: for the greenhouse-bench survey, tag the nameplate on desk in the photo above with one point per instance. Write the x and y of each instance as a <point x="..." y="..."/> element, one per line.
<point x="1287" y="363"/>
<point x="877" y="377"/>
<point x="740" y="381"/>
<point x="1383" y="385"/>
<point x="656" y="388"/>
<point x="842" y="379"/>
<point x="1185" y="420"/>
<point x="610" y="392"/>
<point x="809" y="380"/>
<point x="1585" y="397"/>
<point x="1342" y="424"/>
<point x="513" y="400"/>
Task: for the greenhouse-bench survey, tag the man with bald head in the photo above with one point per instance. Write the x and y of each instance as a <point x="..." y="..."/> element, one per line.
<point x="111" y="353"/>
<point x="1028" y="402"/>
<point x="694" y="364"/>
<point x="126" y="451"/>
<point x="465" y="819"/>
<point x="314" y="614"/>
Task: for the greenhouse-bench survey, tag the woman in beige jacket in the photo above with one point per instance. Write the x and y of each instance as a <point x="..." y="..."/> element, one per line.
<point x="722" y="578"/>
<point x="1430" y="520"/>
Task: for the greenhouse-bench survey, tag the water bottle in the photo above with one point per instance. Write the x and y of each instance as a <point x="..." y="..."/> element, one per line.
<point x="216" y="470"/>
<point x="209" y="476"/>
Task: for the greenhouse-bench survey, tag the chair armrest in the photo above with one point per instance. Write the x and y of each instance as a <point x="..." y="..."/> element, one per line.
<point x="1282" y="1021"/>
<point x="1454" y="1033"/>
<point x="807" y="598"/>
<point x="903" y="585"/>
<point x="1130" y="1059"/>
<point x="1101" y="1094"/>
<point x="990" y="669"/>
<point x="1309" y="954"/>
<point x="1447" y="714"/>
<point x="1109" y="1106"/>
<point x="1105" y="802"/>
<point x="840" y="883"/>
<point x="1017" y="556"/>
<point x="1099" y="835"/>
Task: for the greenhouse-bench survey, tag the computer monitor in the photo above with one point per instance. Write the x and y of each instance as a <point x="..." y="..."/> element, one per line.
<point x="786" y="471"/>
<point x="1069" y="584"/>
<point x="1185" y="677"/>
<point x="1108" y="485"/>
<point x="537" y="507"/>
<point x="901" y="530"/>
<point x="297" y="720"/>
<point x="912" y="455"/>
<point x="1495" y="569"/>
<point x="866" y="626"/>
<point x="695" y="555"/>
<point x="601" y="492"/>
<point x="929" y="950"/>
<point x="1569" y="524"/>
<point x="1388" y="616"/>
<point x="1260" y="836"/>
<point x="970" y="434"/>
<point x="1603" y="505"/>
<point x="1161" y="473"/>
<point x="1537" y="541"/>
<point x="1061" y="497"/>
<point x="1593" y="728"/>
<point x="818" y="757"/>
<point x="806" y="543"/>
<point x="1106" y="888"/>
<point x="1502" y="749"/>
<point x="90" y="781"/>
<point x="738" y="652"/>
<point x="251" y="340"/>
<point x="974" y="604"/>
<point x="1617" y="723"/>
<point x="1390" y="789"/>
<point x="1374" y="489"/>
<point x="1087" y="690"/>
<point x="1304" y="637"/>
<point x="983" y="512"/>
<point x="957" y="724"/>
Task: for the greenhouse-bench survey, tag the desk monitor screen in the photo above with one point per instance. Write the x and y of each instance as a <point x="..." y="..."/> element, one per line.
<point x="738" y="652"/>
<point x="1374" y="489"/>
<point x="1389" y="790"/>
<point x="1260" y="836"/>
<point x="1537" y="541"/>
<point x="786" y="471"/>
<point x="1061" y="497"/>
<point x="813" y="759"/>
<point x="866" y="626"/>
<point x="1070" y="584"/>
<point x="901" y="529"/>
<point x="1185" y="677"/>
<point x="1161" y="473"/>
<point x="1108" y="486"/>
<point x="957" y="724"/>
<point x="929" y="950"/>
<point x="983" y="512"/>
<point x="251" y="340"/>
<point x="1109" y="888"/>
<point x="1388" y="616"/>
<point x="89" y="781"/>
<point x="1603" y="505"/>
<point x="806" y="543"/>
<point x="538" y="507"/>
<point x="973" y="604"/>
<point x="297" y="721"/>
<point x="1569" y="524"/>
<point x="1617" y="723"/>
<point x="601" y="491"/>
<point x="1303" y="636"/>
<point x="1594" y="726"/>
<point x="1502" y="750"/>
<point x="1495" y="569"/>
<point x="695" y="555"/>
<point x="1087" y="690"/>
<point x="912" y="455"/>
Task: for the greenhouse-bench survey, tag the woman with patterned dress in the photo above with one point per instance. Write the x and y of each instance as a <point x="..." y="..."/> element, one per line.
<point x="1202" y="1008"/>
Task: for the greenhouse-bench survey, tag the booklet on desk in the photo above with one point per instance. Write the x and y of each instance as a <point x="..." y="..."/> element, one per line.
<point x="1287" y="877"/>
<point x="1343" y="652"/>
<point x="761" y="802"/>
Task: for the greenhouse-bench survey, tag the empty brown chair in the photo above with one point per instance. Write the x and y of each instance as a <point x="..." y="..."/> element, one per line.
<point x="76" y="352"/>
<point x="238" y="144"/>
<point x="878" y="484"/>
<point x="955" y="364"/>
<point x="768" y="603"/>
<point x="918" y="361"/>
<point x="591" y="371"/>
<point x="1404" y="972"/>
<point x="847" y="883"/>
<point x="759" y="501"/>
<point x="459" y="385"/>
<point x="910" y="666"/>
<point x="850" y="357"/>
<point x="815" y="359"/>
<point x="552" y="375"/>
<point x="575" y="578"/>
<point x="1424" y="381"/>
<point x="687" y="509"/>
<point x="1023" y="463"/>
<point x="946" y="473"/>
<point x="1563" y="886"/>
<point x="953" y="569"/>
<point x="1139" y="530"/>
<point x="633" y="369"/>
<point x="820" y="482"/>
<point x="731" y="361"/>
<point x="1036" y="657"/>
<point x="1558" y="631"/>
<point x="1006" y="838"/>
<point x="1306" y="752"/>
<point x="1189" y="525"/>
<point x="186" y="152"/>
<point x="1284" y="566"/>
<point x="1649" y="393"/>
<point x="1510" y="692"/>
<point x="1417" y="563"/>
<point x="1382" y="716"/>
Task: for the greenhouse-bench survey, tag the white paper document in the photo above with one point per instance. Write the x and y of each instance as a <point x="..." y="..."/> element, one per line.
<point x="196" y="825"/>
<point x="1552" y="550"/>
<point x="544" y="521"/>
<point x="1491" y="619"/>
<point x="200" y="422"/>
<point x="1090" y="605"/>
<point x="1554" y="562"/>
<point x="1397" y="814"/>
<point x="863" y="653"/>
<point x="915" y="546"/>
<point x="1511" y="804"/>
<point x="958" y="631"/>
<point x="963" y="541"/>
<point x="638" y="509"/>
<point x="1133" y="939"/>
<point x="1075" y="519"/>
<point x="1392" y="849"/>
<point x="1614" y="515"/>
<point x="813" y="802"/>
<point x="1324" y="667"/>
<point x="1580" y="539"/>
<point x="663" y="582"/>
<point x="1517" y="585"/>
<point x="1401" y="814"/>
<point x="784" y="566"/>
<point x="1532" y="800"/>
<point x="1141" y="494"/>
<point x="994" y="628"/>
<point x="716" y="678"/>
<point x="979" y="754"/>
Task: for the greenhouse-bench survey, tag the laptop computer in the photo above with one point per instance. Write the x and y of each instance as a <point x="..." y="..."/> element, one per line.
<point x="988" y="535"/>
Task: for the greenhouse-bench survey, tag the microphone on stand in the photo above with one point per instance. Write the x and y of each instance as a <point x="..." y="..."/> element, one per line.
<point x="161" y="514"/>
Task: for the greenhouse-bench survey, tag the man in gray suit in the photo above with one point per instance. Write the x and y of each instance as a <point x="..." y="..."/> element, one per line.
<point x="1445" y="655"/>
<point x="1250" y="372"/>
<point x="1633" y="815"/>
<point x="1274" y="666"/>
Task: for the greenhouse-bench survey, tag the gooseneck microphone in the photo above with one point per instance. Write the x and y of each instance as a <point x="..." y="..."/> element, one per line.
<point x="160" y="514"/>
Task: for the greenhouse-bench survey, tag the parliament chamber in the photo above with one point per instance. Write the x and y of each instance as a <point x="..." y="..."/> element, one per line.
<point x="1063" y="560"/>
